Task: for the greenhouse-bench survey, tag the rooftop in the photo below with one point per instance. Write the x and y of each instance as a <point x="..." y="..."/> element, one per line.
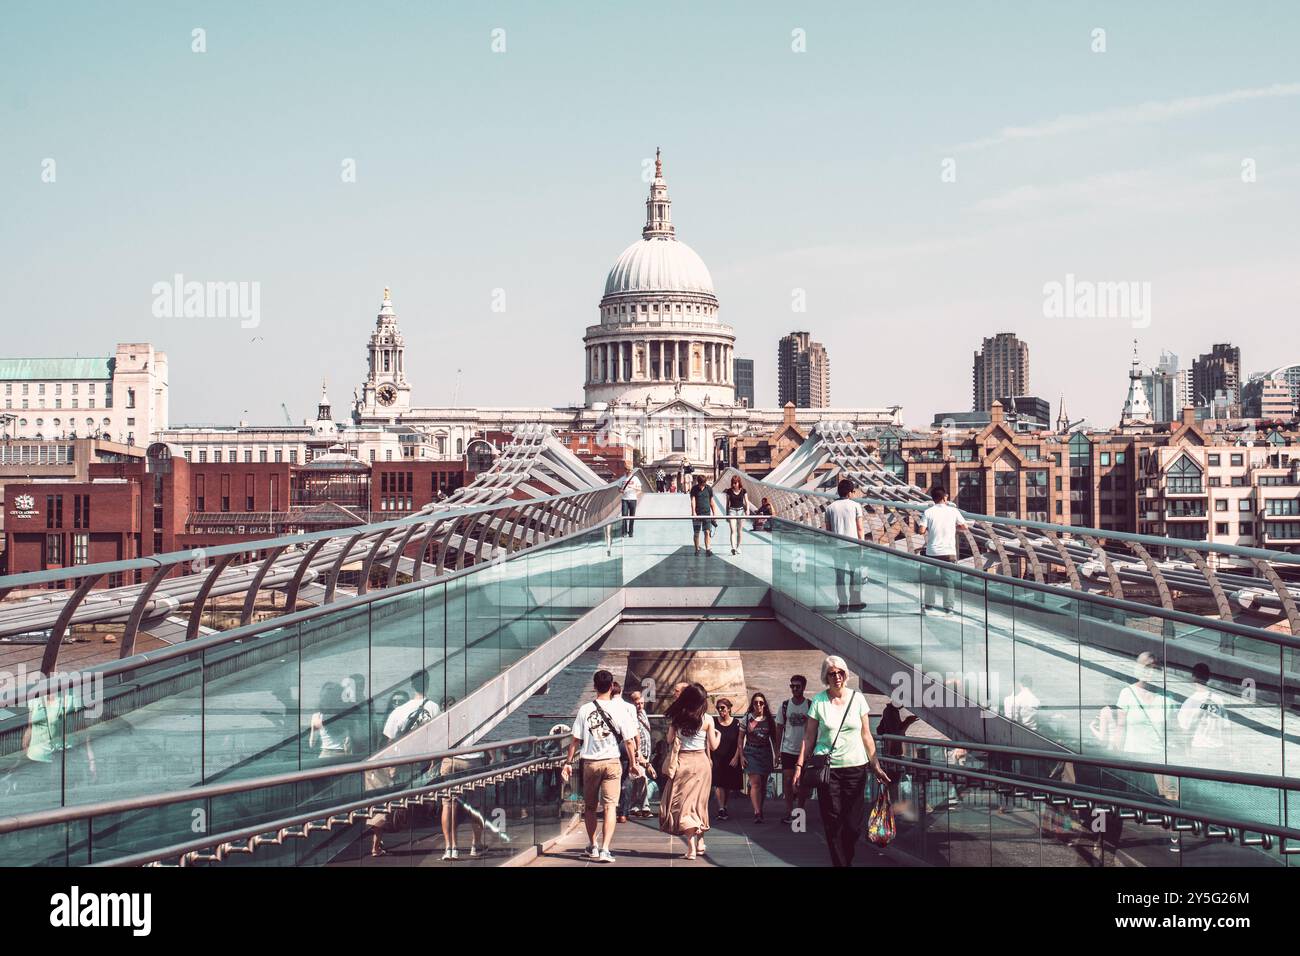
<point x="56" y="369"/>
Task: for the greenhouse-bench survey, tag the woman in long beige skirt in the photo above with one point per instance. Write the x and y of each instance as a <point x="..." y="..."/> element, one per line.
<point x="684" y="807"/>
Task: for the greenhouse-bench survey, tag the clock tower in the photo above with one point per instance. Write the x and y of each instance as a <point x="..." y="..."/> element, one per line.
<point x="385" y="392"/>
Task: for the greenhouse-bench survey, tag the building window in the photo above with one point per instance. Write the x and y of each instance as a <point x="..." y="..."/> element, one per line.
<point x="1105" y="458"/>
<point x="130" y="398"/>
<point x="1243" y="504"/>
<point x="54" y="511"/>
<point x="1237" y="461"/>
<point x="54" y="549"/>
<point x="1213" y="461"/>
<point x="261" y="455"/>
<point x="81" y="548"/>
<point x="1185" y="477"/>
<point x="1221" y="527"/>
<point x="1221" y="505"/>
<point x="279" y="455"/>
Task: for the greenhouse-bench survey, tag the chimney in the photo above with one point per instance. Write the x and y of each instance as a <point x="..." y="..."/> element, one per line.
<point x="995" y="412"/>
<point x="1189" y="416"/>
<point x="788" y="415"/>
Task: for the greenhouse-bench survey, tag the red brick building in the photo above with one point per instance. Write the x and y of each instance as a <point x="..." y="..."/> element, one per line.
<point x="165" y="503"/>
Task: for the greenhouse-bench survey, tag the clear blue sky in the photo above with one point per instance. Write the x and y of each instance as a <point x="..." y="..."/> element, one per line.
<point x="522" y="171"/>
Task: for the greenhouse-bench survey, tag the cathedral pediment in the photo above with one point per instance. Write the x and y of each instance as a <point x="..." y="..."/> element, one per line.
<point x="679" y="407"/>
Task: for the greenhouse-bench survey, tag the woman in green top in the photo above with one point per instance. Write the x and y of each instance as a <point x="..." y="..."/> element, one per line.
<point x="837" y="728"/>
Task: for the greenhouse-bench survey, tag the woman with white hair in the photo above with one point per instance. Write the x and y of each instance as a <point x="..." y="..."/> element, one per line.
<point x="837" y="749"/>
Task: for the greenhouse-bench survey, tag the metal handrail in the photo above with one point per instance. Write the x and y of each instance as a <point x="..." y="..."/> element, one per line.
<point x="1089" y="597"/>
<point x="351" y="602"/>
<point x="38" y="818"/>
<point x="1129" y="558"/>
<point x="473" y="521"/>
<point x="1165" y="812"/>
<point x="186" y="850"/>
<point x="1131" y="766"/>
<point x="1232" y="549"/>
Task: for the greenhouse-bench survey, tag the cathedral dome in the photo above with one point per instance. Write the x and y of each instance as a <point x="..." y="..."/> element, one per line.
<point x="659" y="264"/>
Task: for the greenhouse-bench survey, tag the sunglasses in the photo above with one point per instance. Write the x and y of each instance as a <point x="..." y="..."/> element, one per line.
<point x="840" y="675"/>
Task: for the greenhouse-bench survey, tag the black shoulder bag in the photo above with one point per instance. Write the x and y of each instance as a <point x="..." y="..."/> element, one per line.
<point x="614" y="730"/>
<point x="820" y="764"/>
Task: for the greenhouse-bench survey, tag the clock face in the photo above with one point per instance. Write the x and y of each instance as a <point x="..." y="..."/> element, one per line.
<point x="386" y="394"/>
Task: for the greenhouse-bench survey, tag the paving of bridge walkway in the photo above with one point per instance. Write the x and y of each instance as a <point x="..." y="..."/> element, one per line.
<point x="737" y="842"/>
<point x="662" y="553"/>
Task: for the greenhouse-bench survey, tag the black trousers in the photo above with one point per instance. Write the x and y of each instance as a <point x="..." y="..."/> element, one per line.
<point x="843" y="805"/>
<point x="629" y="511"/>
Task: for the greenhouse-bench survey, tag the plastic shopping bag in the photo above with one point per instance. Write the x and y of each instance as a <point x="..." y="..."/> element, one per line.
<point x="880" y="825"/>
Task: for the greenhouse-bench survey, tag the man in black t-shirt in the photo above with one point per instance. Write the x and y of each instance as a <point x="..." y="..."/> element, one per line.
<point x="702" y="504"/>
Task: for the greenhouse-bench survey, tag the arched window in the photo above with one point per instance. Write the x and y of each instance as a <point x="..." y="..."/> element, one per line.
<point x="1184" y="477"/>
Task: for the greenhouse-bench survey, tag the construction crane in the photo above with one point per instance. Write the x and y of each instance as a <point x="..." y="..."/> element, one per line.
<point x="287" y="420"/>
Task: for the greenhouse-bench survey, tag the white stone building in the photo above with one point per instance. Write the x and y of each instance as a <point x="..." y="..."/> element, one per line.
<point x="659" y="365"/>
<point x="120" y="398"/>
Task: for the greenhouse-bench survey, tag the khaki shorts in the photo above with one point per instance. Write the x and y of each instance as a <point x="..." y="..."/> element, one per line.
<point x="455" y="766"/>
<point x="601" y="780"/>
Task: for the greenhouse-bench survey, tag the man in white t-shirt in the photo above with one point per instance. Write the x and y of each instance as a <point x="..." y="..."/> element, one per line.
<point x="940" y="522"/>
<point x="597" y="730"/>
<point x="1022" y="706"/>
<point x="631" y="492"/>
<point x="845" y="518"/>
<point x="1202" y="718"/>
<point x="790" y="721"/>
<point x="415" y="712"/>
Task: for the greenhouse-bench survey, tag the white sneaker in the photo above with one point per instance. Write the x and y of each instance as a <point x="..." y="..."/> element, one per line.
<point x="606" y="857"/>
<point x="450" y="854"/>
<point x="593" y="852"/>
<point x="473" y="851"/>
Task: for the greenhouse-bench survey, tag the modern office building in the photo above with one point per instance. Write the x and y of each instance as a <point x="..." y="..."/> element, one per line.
<point x="1272" y="395"/>
<point x="1218" y="372"/>
<point x="1001" y="368"/>
<point x="803" y="372"/>
<point x="1161" y="385"/>
<point x="744" y="375"/>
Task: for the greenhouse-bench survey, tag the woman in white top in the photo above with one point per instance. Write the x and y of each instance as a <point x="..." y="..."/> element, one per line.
<point x="684" y="807"/>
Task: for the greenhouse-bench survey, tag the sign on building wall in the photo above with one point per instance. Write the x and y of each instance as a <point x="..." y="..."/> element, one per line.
<point x="24" y="507"/>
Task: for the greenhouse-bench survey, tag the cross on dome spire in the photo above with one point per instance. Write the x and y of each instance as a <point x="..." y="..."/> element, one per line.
<point x="658" y="207"/>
